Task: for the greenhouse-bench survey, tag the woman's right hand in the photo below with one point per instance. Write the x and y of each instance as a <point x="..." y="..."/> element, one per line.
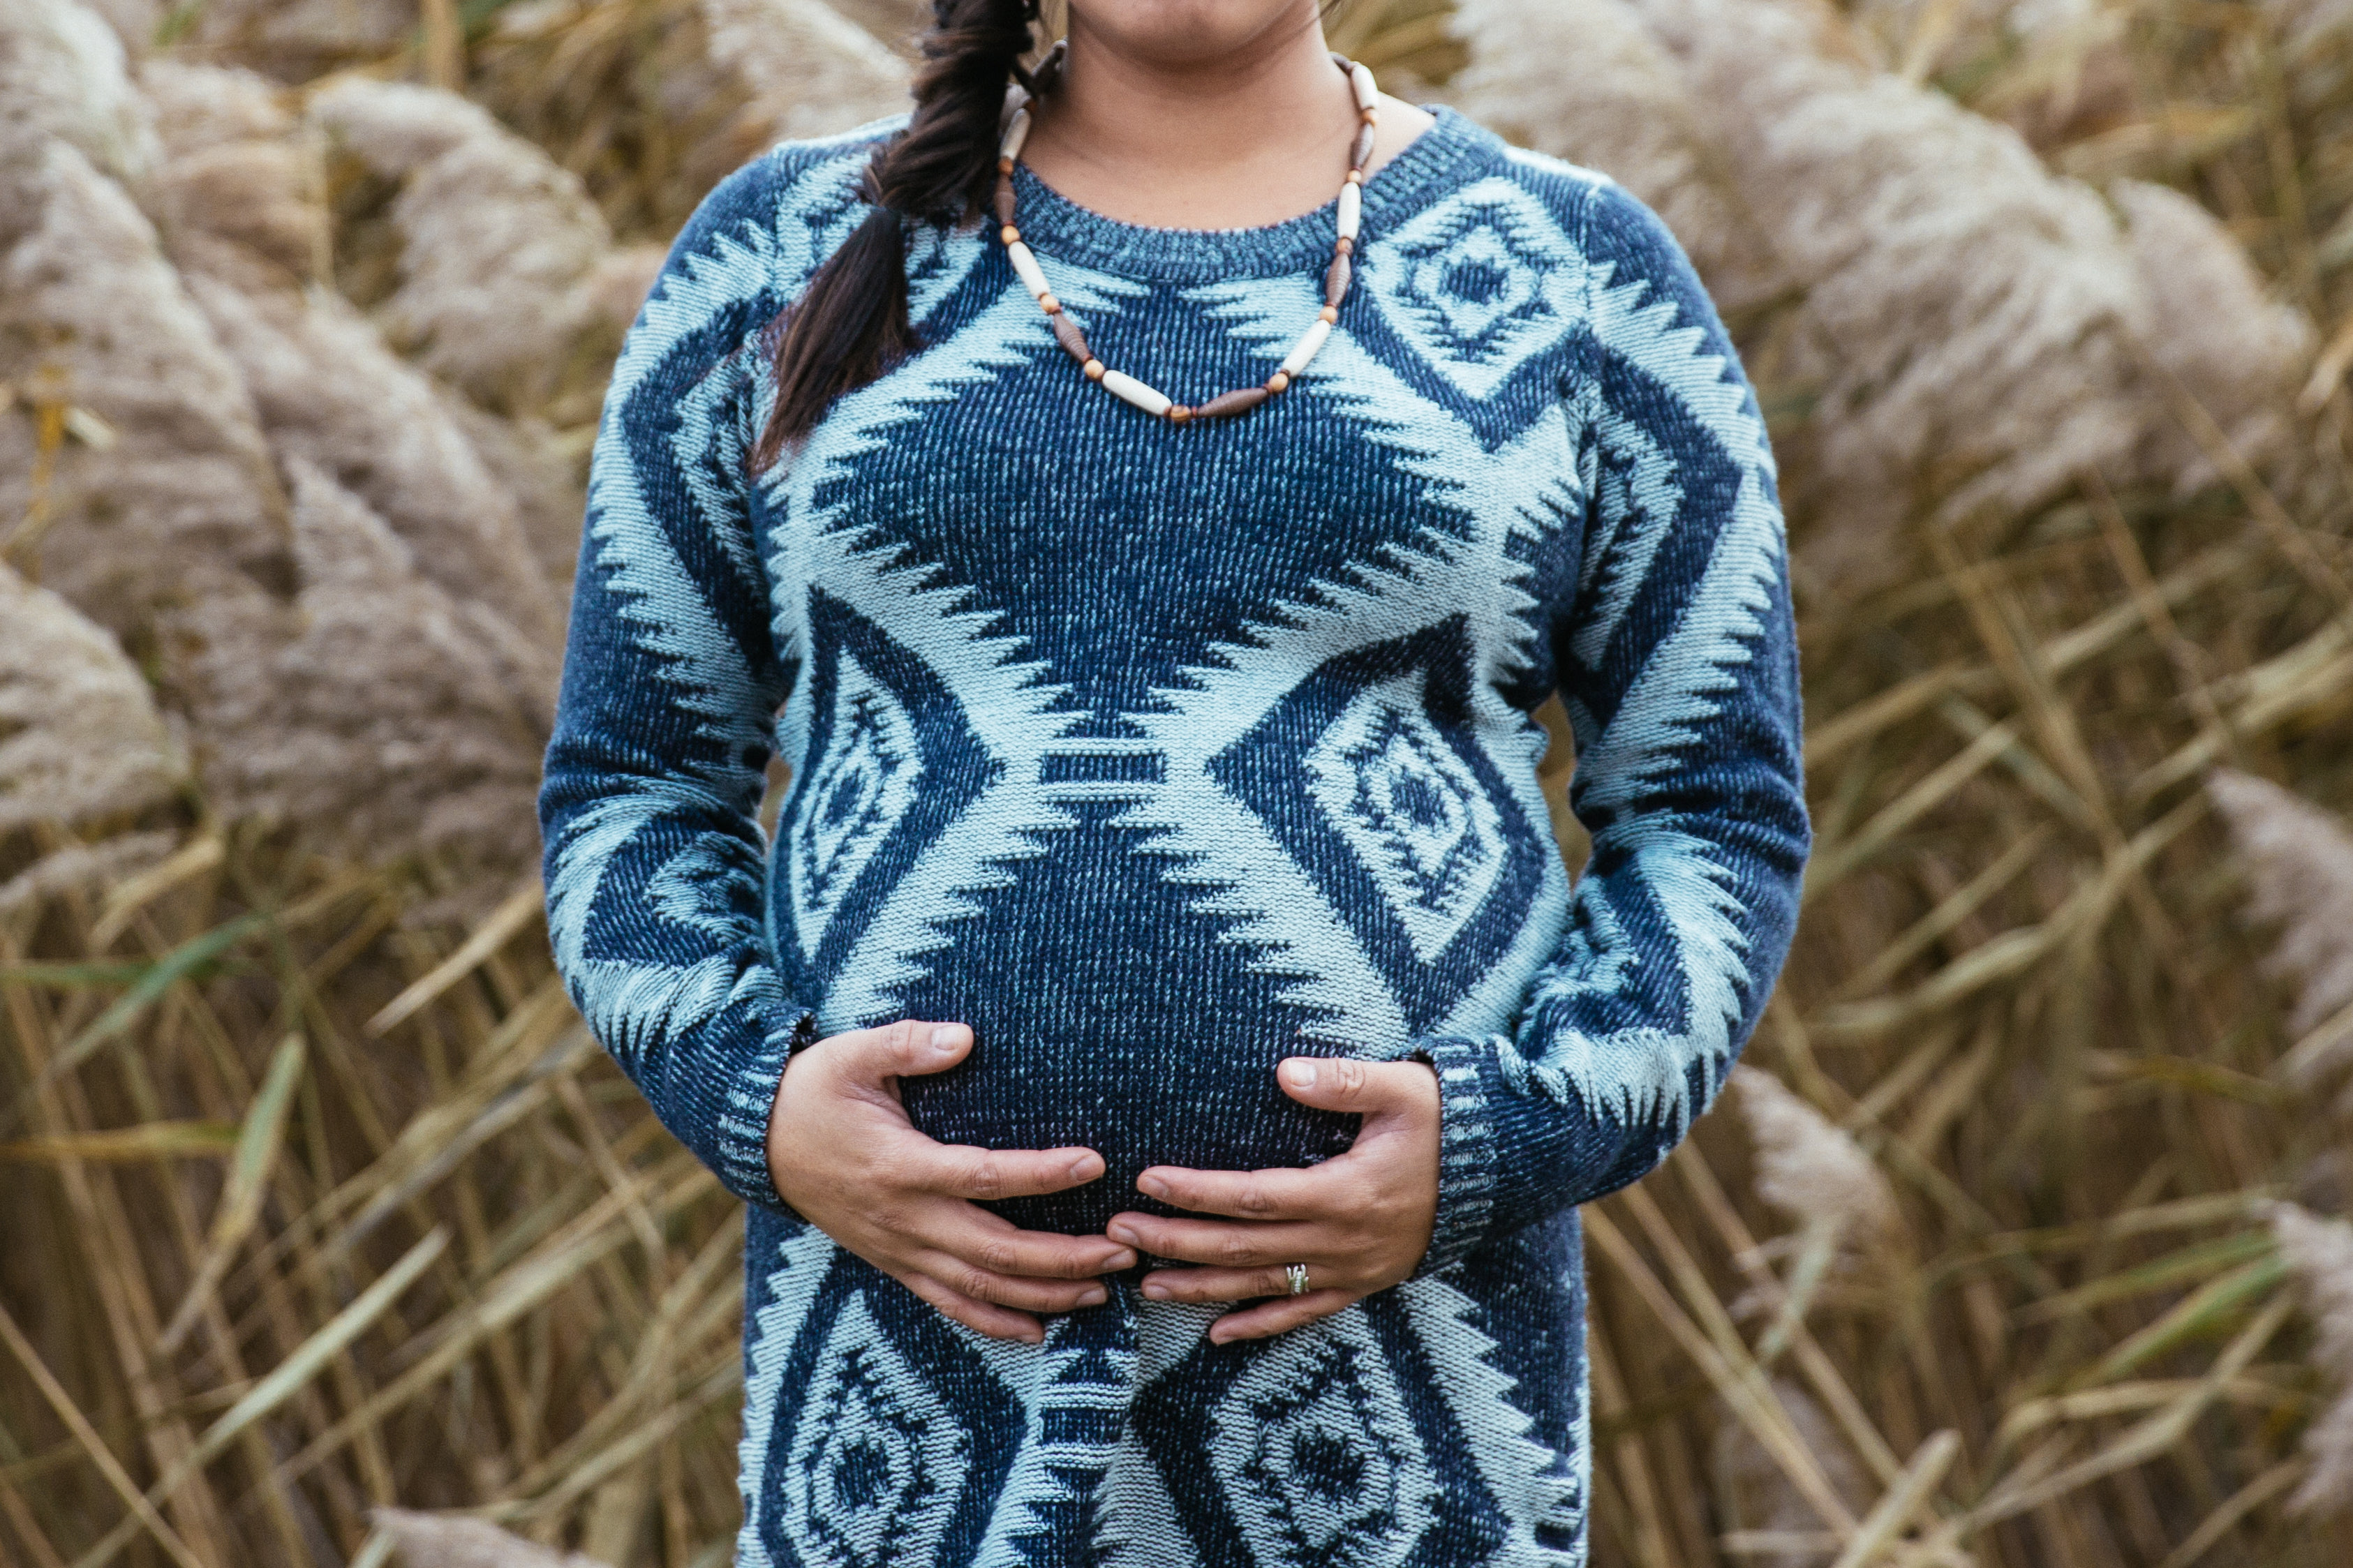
<point x="843" y="1153"/>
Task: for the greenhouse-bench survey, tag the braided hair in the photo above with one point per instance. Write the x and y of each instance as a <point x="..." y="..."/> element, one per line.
<point x="851" y="323"/>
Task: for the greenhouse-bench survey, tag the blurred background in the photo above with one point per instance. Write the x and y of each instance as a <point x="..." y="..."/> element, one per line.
<point x="2017" y="1241"/>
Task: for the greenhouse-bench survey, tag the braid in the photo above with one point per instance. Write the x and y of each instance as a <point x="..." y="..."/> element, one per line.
<point x="853" y="320"/>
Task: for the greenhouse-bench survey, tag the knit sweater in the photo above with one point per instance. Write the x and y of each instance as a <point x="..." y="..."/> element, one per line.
<point x="1157" y="754"/>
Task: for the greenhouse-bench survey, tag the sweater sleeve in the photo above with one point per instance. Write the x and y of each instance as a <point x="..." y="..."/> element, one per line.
<point x="1674" y="652"/>
<point x="653" y="855"/>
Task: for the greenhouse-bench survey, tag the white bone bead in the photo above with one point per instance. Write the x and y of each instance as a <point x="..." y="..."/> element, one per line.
<point x="1369" y="91"/>
<point x="1033" y="278"/>
<point x="1135" y="391"/>
<point x="1352" y="210"/>
<point x="1016" y="133"/>
<point x="1305" y="349"/>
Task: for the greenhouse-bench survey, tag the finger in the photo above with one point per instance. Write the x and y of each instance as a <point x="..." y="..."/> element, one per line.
<point x="963" y="1171"/>
<point x="1224" y="1245"/>
<point x="909" y="1048"/>
<point x="982" y="1239"/>
<point x="979" y="1316"/>
<point x="1010" y="1290"/>
<point x="1239" y="1284"/>
<point x="1280" y="1317"/>
<point x="1344" y="1083"/>
<point x="1280" y="1194"/>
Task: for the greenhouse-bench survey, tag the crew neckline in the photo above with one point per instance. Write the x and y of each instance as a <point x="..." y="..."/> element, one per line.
<point x="1060" y="229"/>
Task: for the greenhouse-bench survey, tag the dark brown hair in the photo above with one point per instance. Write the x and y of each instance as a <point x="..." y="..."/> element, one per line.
<point x="851" y="323"/>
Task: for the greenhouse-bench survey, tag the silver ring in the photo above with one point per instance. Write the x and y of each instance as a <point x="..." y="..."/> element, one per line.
<point x="1297" y="1273"/>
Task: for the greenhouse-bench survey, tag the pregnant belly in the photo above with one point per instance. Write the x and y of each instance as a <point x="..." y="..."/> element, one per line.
<point x="1137" y="1105"/>
<point x="1108" y="1014"/>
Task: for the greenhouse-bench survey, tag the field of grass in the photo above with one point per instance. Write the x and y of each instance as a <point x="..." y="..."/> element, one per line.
<point x="2020" y="1240"/>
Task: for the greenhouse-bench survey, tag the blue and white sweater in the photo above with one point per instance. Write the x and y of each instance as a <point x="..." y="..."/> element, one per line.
<point x="1158" y="753"/>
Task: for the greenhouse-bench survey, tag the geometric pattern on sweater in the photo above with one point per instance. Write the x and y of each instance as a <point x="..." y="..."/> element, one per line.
<point x="1158" y="755"/>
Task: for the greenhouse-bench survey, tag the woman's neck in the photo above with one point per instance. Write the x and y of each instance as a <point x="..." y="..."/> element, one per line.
<point x="1240" y="133"/>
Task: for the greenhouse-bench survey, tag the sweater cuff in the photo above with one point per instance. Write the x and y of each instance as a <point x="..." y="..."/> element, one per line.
<point x="740" y="1157"/>
<point x="1466" y="1147"/>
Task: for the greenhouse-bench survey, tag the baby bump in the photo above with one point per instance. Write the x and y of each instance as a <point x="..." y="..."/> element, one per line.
<point x="1207" y="1105"/>
<point x="1108" y="1014"/>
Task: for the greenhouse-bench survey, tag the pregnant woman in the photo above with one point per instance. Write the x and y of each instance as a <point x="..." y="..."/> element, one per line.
<point x="1161" y="1047"/>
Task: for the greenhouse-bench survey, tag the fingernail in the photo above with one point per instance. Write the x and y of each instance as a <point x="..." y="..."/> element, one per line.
<point x="1083" y="1169"/>
<point x="1093" y="1296"/>
<point x="944" y="1038"/>
<point x="1299" y="1074"/>
<point x="1152" y="1186"/>
<point x="1157" y="1291"/>
<point x="1119" y="1260"/>
<point x="1124" y="1234"/>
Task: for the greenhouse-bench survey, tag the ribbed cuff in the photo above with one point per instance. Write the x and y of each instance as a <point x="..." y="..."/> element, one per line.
<point x="1466" y="1146"/>
<point x="740" y="1155"/>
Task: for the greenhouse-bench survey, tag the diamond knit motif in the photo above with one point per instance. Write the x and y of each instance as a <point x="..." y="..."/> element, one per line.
<point x="1480" y="284"/>
<point x="1409" y="808"/>
<point x="875" y="1464"/>
<point x="1318" y="1458"/>
<point x="858" y="790"/>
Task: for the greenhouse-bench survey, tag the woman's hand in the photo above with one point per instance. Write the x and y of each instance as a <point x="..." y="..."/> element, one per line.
<point x="1360" y="1221"/>
<point x="843" y="1153"/>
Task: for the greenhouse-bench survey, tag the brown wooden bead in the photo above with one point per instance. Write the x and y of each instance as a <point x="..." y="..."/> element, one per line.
<point x="1073" y="342"/>
<point x="1009" y="234"/>
<point x="1278" y="381"/>
<point x="1094" y="369"/>
<point x="1346" y="245"/>
<point x="1004" y="202"/>
<point x="1362" y="153"/>
<point x="1005" y="165"/>
<point x="1328" y="314"/>
<point x="1336" y="278"/>
<point x="1225" y="406"/>
<point x="1048" y="304"/>
<point x="1178" y="414"/>
<point x="1356" y="176"/>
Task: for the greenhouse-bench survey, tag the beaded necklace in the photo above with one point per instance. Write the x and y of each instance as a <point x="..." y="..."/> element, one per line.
<point x="1337" y="277"/>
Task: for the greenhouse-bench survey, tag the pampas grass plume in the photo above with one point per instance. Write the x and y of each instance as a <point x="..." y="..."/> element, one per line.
<point x="1807" y="1167"/>
<point x="443" y="1541"/>
<point x="808" y="70"/>
<point x="80" y="735"/>
<point x="2319" y="1252"/>
<point x="501" y="246"/>
<point x="2299" y="868"/>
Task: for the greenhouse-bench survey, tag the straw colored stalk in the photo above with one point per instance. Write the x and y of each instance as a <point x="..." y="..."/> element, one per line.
<point x="508" y="270"/>
<point x="2298" y="860"/>
<point x="2320" y="1254"/>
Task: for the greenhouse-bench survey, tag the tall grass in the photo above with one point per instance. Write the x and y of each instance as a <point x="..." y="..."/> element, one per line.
<point x="2020" y="1242"/>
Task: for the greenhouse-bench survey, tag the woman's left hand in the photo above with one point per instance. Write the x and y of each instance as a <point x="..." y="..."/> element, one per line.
<point x="1360" y="1221"/>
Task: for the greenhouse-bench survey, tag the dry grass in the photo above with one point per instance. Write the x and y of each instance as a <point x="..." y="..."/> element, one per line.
<point x="325" y="1203"/>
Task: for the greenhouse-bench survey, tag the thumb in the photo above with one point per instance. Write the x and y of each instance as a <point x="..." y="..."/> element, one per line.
<point x="1344" y="1083"/>
<point x="907" y="1048"/>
